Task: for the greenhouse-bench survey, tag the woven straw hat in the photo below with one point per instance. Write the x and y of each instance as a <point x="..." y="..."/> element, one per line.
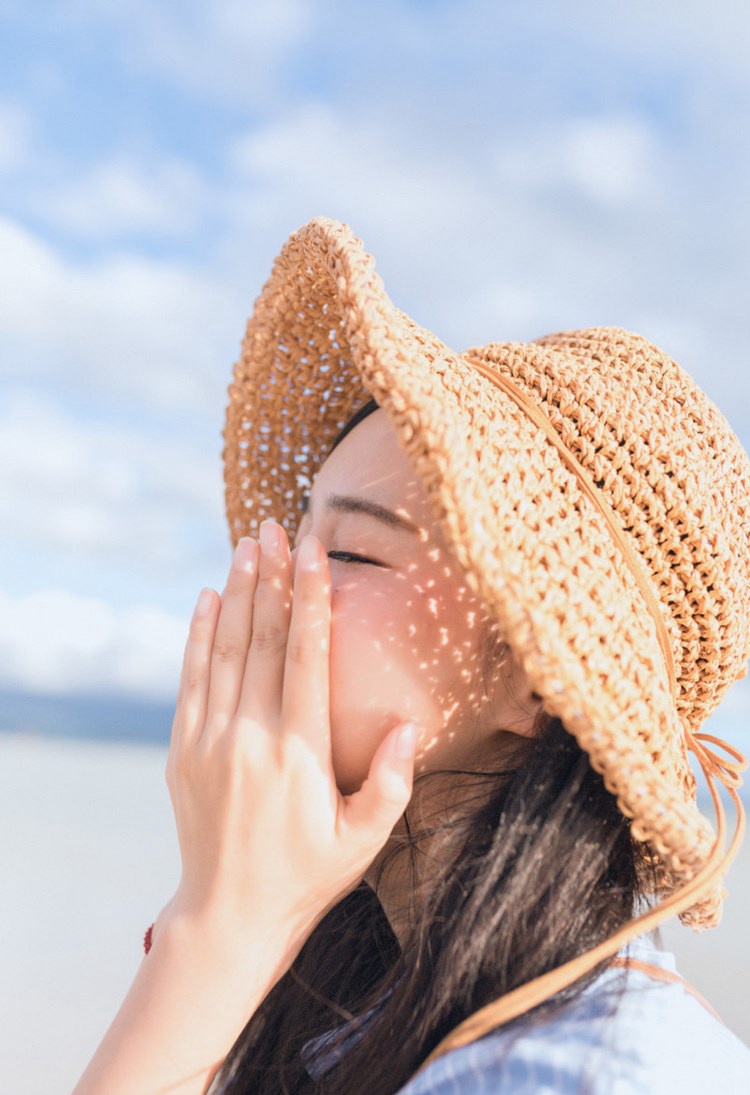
<point x="597" y="500"/>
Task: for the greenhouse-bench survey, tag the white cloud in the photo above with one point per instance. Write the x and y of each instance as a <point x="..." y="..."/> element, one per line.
<point x="53" y="641"/>
<point x="335" y="161"/>
<point x="97" y="490"/>
<point x="118" y="196"/>
<point x="361" y="167"/>
<point x="230" y="49"/>
<point x="240" y="51"/>
<point x="719" y="31"/>
<point x="157" y="332"/>
<point x="611" y="160"/>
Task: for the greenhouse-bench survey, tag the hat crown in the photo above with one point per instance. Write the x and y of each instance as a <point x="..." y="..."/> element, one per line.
<point x="674" y="472"/>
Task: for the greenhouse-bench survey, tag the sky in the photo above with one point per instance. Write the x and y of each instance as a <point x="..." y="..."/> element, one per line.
<point x="516" y="168"/>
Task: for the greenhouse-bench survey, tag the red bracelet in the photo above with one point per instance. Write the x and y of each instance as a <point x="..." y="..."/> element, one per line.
<point x="147" y="938"/>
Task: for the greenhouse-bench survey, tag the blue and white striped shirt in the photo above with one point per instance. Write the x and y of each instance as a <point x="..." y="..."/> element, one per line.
<point x="656" y="1038"/>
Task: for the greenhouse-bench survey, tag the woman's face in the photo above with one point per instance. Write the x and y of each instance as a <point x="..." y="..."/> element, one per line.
<point x="406" y="630"/>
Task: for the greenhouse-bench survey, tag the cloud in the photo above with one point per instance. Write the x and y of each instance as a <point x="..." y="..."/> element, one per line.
<point x="163" y="197"/>
<point x="718" y="33"/>
<point x="53" y="641"/>
<point x="126" y="325"/>
<point x="243" y="52"/>
<point x="614" y="161"/>
<point x="95" y="489"/>
<point x="228" y="49"/>
<point x="319" y="159"/>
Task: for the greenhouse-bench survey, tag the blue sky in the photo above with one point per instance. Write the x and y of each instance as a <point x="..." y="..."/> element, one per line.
<point x="516" y="168"/>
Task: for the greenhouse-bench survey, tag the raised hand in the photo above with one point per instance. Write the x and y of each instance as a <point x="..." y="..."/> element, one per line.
<point x="268" y="843"/>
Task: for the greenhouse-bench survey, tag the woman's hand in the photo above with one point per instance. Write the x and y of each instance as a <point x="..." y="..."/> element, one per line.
<point x="268" y="843"/>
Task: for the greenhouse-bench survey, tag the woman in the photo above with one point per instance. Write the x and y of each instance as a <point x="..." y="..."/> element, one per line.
<point x="429" y="758"/>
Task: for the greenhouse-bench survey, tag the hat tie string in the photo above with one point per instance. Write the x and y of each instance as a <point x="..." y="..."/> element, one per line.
<point x="529" y="995"/>
<point x="712" y="765"/>
<point x="595" y="495"/>
<point x="726" y="771"/>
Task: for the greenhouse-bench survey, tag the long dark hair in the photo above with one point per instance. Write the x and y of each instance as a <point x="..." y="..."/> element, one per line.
<point x="538" y="867"/>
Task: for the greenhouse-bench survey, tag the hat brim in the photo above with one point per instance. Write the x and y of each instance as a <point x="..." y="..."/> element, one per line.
<point x="324" y="337"/>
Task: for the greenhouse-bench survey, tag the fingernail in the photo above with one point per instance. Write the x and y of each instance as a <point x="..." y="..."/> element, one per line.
<point x="203" y="604"/>
<point x="270" y="535"/>
<point x="244" y="555"/>
<point x="309" y="555"/>
<point x="406" y="741"/>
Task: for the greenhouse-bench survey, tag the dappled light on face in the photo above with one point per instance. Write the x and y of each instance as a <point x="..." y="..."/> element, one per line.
<point x="407" y="632"/>
<point x="427" y="745"/>
<point x="449" y="667"/>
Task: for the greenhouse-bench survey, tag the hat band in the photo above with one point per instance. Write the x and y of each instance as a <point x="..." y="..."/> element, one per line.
<point x="594" y="494"/>
<point x="712" y="764"/>
<point x="522" y="999"/>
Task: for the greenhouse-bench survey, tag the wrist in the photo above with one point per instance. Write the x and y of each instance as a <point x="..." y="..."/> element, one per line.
<point x="190" y="1000"/>
<point x="216" y="947"/>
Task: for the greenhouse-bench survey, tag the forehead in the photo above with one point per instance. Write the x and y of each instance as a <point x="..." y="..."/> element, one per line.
<point x="371" y="463"/>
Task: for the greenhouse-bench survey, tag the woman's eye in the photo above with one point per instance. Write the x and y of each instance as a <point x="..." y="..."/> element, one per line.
<point x="348" y="557"/>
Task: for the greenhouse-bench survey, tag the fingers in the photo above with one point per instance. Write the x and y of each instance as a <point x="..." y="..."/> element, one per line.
<point x="262" y="653"/>
<point x="263" y="677"/>
<point x="232" y="636"/>
<point x="385" y="794"/>
<point x="305" y="701"/>
<point x="192" y="694"/>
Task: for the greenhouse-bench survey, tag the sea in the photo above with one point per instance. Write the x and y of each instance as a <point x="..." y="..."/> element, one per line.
<point x="87" y="717"/>
<point x="125" y="719"/>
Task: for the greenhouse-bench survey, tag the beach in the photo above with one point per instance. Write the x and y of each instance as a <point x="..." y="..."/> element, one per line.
<point x="89" y="858"/>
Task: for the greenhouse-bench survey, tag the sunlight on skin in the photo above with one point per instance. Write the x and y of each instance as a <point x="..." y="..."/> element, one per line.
<point x="397" y="652"/>
<point x="406" y="636"/>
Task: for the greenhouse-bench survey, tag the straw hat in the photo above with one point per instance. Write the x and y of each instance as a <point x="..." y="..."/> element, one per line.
<point x="597" y="500"/>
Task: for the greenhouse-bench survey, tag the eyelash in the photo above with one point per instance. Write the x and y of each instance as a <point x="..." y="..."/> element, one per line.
<point x="348" y="556"/>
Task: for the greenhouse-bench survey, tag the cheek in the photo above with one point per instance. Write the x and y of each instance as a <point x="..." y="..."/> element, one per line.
<point x="377" y="674"/>
<point x="395" y="653"/>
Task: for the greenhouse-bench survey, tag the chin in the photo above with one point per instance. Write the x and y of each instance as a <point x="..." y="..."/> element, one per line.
<point x="352" y="749"/>
<point x="350" y="755"/>
<point x="347" y="780"/>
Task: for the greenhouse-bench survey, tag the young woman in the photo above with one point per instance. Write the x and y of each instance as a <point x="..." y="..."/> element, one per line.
<point x="429" y="761"/>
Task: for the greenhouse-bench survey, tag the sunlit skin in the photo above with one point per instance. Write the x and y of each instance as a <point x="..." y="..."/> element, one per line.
<point x="290" y="764"/>
<point x="406" y="635"/>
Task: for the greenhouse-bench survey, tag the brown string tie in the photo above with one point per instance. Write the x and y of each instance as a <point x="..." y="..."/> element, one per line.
<point x="713" y="766"/>
<point x="727" y="772"/>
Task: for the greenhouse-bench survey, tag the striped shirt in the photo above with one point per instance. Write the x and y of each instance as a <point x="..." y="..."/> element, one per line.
<point x="656" y="1038"/>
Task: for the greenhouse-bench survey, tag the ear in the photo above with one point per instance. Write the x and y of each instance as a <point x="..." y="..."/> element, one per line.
<point x="515" y="703"/>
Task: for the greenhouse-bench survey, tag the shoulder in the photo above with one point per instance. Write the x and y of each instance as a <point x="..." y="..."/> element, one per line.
<point x="627" y="1034"/>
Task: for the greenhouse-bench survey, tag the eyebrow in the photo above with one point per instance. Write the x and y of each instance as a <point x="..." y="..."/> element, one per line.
<point x="346" y="503"/>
